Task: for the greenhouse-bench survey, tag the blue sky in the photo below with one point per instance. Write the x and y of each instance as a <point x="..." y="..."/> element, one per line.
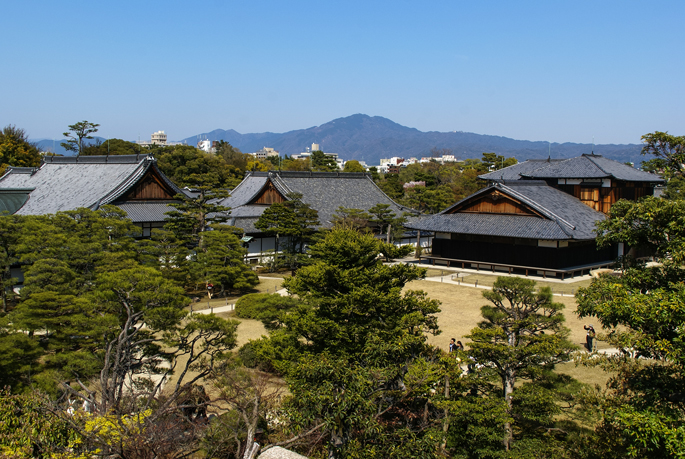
<point x="560" y="71"/>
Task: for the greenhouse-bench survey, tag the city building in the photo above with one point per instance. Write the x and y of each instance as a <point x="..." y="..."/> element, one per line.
<point x="158" y="138"/>
<point x="265" y="153"/>
<point x="316" y="147"/>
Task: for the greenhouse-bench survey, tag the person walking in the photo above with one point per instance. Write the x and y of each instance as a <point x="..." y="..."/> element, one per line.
<point x="453" y="346"/>
<point x="590" y="337"/>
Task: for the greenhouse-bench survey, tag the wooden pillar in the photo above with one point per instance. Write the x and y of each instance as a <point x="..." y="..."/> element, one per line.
<point x="418" y="244"/>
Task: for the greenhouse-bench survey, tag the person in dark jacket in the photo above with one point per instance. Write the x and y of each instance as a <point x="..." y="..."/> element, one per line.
<point x="590" y="337"/>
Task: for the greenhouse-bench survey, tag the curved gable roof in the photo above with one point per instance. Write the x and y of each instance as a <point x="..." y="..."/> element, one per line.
<point x="562" y="216"/>
<point x="67" y="183"/>
<point x="515" y="171"/>
<point x="323" y="191"/>
<point x="593" y="166"/>
<point x="582" y="167"/>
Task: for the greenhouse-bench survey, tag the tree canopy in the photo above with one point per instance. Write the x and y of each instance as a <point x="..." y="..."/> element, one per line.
<point x="76" y="133"/>
<point x="112" y="147"/>
<point x="320" y="161"/>
<point x="644" y="312"/>
<point x="353" y="166"/>
<point x="16" y="150"/>
<point x="350" y="345"/>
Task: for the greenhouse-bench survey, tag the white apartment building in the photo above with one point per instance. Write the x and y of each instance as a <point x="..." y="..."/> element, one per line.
<point x="158" y="138"/>
<point x="264" y="153"/>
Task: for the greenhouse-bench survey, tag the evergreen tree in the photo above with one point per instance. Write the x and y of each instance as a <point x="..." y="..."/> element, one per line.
<point x="76" y="133"/>
<point x="293" y="220"/>
<point x="320" y="161"/>
<point x="522" y="335"/>
<point x="220" y="262"/>
<point x="354" y="351"/>
<point x="16" y="150"/>
<point x="644" y="312"/>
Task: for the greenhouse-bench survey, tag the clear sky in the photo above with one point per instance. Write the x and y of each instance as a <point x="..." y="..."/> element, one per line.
<point x="560" y="71"/>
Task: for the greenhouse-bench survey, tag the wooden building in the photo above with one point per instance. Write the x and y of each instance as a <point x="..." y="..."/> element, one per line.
<point x="536" y="217"/>
<point x="130" y="182"/>
<point x="323" y="191"/>
<point x="596" y="181"/>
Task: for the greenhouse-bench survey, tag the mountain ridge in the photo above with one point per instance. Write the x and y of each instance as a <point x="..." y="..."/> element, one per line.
<point x="370" y="138"/>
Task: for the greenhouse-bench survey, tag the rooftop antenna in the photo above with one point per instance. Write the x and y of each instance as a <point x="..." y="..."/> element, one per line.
<point x="549" y="152"/>
<point x="593" y="146"/>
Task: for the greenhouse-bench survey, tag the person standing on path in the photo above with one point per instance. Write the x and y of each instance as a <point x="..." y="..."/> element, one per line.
<point x="590" y="337"/>
<point x="453" y="346"/>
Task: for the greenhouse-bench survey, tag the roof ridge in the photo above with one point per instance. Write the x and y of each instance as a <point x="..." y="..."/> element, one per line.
<point x="166" y="179"/>
<point x="404" y="208"/>
<point x="278" y="181"/>
<point x="540" y="207"/>
<point x="96" y="159"/>
<point x="597" y="165"/>
<point x="123" y="186"/>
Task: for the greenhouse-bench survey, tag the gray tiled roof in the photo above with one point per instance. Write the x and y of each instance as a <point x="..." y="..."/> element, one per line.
<point x="581" y="167"/>
<point x="11" y="199"/>
<point x="323" y="191"/>
<point x="566" y="217"/>
<point x="67" y="183"/>
<point x="146" y="211"/>
<point x="514" y="172"/>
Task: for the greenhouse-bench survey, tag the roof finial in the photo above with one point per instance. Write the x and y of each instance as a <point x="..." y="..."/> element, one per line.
<point x="549" y="152"/>
<point x="593" y="146"/>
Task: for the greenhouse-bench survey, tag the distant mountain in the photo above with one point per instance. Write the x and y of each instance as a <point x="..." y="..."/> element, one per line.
<point x="370" y="138"/>
<point x="54" y="146"/>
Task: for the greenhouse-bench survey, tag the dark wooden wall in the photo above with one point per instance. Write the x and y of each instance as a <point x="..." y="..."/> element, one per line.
<point x="149" y="188"/>
<point x="601" y="199"/>
<point x="576" y="254"/>
<point x="269" y="195"/>
<point x="495" y="203"/>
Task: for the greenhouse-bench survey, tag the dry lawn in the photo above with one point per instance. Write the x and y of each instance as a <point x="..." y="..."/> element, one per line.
<point x="568" y="288"/>
<point x="248" y="328"/>
<point x="460" y="312"/>
<point x="266" y="285"/>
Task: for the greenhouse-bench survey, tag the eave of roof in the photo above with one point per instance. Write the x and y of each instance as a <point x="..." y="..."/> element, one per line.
<point x="565" y="217"/>
<point x="324" y="191"/>
<point x="592" y="167"/>
<point x="66" y="183"/>
<point x="586" y="166"/>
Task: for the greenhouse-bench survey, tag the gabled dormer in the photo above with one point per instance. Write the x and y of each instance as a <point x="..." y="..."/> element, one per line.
<point x="494" y="201"/>
<point x="269" y="194"/>
<point x="151" y="187"/>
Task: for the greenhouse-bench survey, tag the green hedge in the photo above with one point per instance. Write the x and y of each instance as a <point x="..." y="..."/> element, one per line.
<point x="265" y="307"/>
